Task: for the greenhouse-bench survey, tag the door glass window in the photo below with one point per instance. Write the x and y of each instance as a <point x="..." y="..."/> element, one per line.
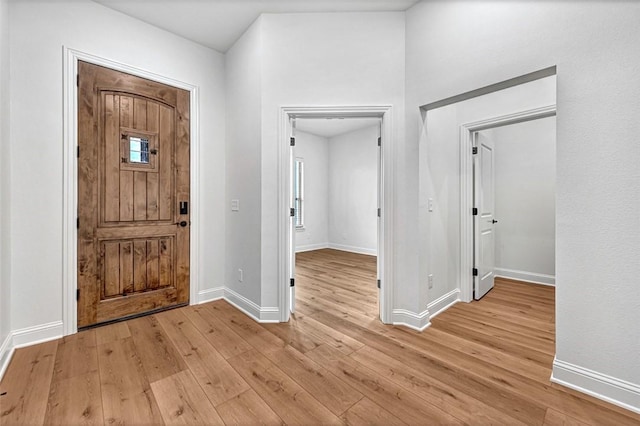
<point x="138" y="150"/>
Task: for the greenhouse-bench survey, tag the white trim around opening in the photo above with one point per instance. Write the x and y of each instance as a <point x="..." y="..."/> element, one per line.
<point x="385" y="246"/>
<point x="466" y="186"/>
<point x="70" y="177"/>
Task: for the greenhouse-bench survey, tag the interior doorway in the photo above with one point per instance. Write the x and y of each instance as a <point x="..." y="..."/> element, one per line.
<point x="514" y="202"/>
<point x="335" y="197"/>
<point x="295" y="198"/>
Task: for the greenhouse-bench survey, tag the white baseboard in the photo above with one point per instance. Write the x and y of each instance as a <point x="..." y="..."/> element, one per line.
<point x="443" y="303"/>
<point x="27" y="337"/>
<point x="37" y="334"/>
<point x="6" y="353"/>
<point x="311" y="247"/>
<point x="531" y="277"/>
<point x="209" y="295"/>
<point x="601" y="386"/>
<point x="250" y="308"/>
<point x="353" y="249"/>
<point x="418" y="322"/>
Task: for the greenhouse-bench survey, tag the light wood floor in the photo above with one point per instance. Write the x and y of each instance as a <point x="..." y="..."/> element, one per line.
<point x="487" y="362"/>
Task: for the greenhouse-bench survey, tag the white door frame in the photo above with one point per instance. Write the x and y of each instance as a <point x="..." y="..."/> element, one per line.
<point x="385" y="246"/>
<point x="467" y="130"/>
<point x="70" y="178"/>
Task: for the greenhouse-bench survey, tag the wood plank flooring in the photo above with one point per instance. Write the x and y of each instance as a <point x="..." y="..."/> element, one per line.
<point x="487" y="362"/>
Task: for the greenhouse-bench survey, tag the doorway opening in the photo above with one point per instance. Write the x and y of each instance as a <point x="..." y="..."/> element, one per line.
<point x="335" y="202"/>
<point x="514" y="202"/>
<point x="337" y="215"/>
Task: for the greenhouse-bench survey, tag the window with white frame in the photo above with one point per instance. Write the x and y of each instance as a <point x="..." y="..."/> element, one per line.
<point x="298" y="193"/>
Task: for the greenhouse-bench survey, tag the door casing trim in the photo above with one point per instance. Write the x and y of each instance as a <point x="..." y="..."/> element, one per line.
<point x="70" y="177"/>
<point x="386" y="247"/>
<point x="465" y="276"/>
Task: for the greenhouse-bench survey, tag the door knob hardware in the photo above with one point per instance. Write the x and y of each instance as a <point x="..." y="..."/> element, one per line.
<point x="182" y="223"/>
<point x="494" y="221"/>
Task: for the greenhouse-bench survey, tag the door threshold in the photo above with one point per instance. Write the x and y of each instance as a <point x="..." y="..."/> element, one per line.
<point x="133" y="316"/>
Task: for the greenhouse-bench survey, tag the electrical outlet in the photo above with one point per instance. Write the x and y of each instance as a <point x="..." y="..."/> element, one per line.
<point x="430" y="280"/>
<point x="235" y="205"/>
<point x="430" y="204"/>
<point x="240" y="275"/>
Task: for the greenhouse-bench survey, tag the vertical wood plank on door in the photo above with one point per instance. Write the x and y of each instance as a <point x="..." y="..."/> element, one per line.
<point x="126" y="196"/>
<point x="139" y="265"/>
<point x="126" y="266"/>
<point x="166" y="261"/>
<point x="111" y="269"/>
<point x="126" y="113"/>
<point x="111" y="164"/>
<point x="153" y="272"/>
<point x="140" y="196"/>
<point x="153" y="125"/>
<point x="139" y="114"/>
<point x="182" y="192"/>
<point x="166" y="149"/>
<point x="152" y="196"/>
<point x="87" y="196"/>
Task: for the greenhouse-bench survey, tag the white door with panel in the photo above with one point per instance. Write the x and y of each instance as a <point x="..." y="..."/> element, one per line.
<point x="484" y="222"/>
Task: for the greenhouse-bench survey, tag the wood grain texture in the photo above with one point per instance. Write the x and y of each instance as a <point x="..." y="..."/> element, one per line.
<point x="332" y="363"/>
<point x="121" y="201"/>
<point x="25" y="386"/>
<point x="182" y="401"/>
<point x="213" y="373"/>
<point x="248" y="409"/>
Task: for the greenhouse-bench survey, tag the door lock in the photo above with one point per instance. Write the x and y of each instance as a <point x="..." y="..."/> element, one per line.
<point x="184" y="207"/>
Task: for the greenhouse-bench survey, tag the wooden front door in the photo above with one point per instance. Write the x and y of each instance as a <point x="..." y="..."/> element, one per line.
<point x="133" y="195"/>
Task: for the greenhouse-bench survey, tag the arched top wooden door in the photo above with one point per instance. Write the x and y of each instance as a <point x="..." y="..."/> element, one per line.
<point x="133" y="195"/>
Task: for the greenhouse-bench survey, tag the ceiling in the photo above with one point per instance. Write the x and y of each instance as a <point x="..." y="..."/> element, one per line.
<point x="330" y="127"/>
<point x="219" y="23"/>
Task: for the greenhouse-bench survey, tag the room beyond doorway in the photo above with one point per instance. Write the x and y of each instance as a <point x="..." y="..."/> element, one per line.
<point x="381" y="211"/>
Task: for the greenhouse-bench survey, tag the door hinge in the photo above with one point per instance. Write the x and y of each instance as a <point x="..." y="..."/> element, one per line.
<point x="379" y="212"/>
<point x="474" y="211"/>
<point x="292" y="282"/>
<point x="77" y="294"/>
<point x="78" y="151"/>
<point x="77" y="223"/>
<point x="475" y="272"/>
<point x="292" y="212"/>
<point x="378" y="283"/>
<point x="292" y="141"/>
<point x="78" y="80"/>
<point x="474" y="150"/>
<point x="379" y="141"/>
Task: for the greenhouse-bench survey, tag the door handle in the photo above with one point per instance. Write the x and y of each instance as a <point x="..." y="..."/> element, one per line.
<point x="494" y="221"/>
<point x="182" y="223"/>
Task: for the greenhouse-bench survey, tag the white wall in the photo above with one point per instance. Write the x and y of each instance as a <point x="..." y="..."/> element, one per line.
<point x="39" y="30"/>
<point x="5" y="237"/>
<point x="439" y="176"/>
<point x="353" y="193"/>
<point x="525" y="199"/>
<point x="457" y="46"/>
<point x="317" y="59"/>
<point x="314" y="150"/>
<point x="243" y="162"/>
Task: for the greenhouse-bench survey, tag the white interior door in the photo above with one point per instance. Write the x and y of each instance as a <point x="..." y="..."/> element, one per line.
<point x="292" y="220"/>
<point x="484" y="220"/>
